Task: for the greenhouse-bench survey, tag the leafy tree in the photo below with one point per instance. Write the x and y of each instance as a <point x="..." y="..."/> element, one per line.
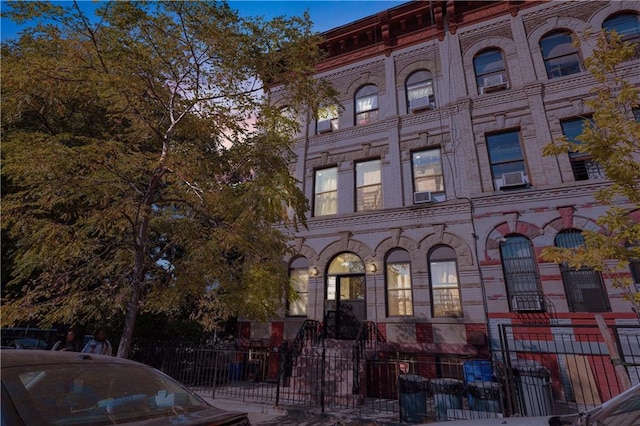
<point x="612" y="139"/>
<point x="145" y="161"/>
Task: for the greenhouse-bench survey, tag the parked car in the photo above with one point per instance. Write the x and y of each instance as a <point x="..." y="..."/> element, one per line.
<point x="622" y="410"/>
<point x="23" y="343"/>
<point x="70" y="388"/>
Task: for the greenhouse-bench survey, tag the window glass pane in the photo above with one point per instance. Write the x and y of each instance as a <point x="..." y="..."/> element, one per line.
<point x="346" y="263"/>
<point x="560" y="56"/>
<point x="558" y="44"/>
<point x="445" y="288"/>
<point x="398" y="280"/>
<point x="626" y="24"/>
<point x="418" y="77"/>
<point x="420" y="90"/>
<point x="300" y="280"/>
<point x="398" y="275"/>
<point x="367" y="103"/>
<point x="427" y="171"/>
<point x="519" y="265"/>
<point x="368" y="185"/>
<point x="583" y="287"/>
<point x="326" y="192"/>
<point x="504" y="147"/>
<point x="571" y="238"/>
<point x="488" y="62"/>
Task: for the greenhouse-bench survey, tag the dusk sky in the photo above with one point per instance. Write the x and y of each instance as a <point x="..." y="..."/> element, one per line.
<point x="325" y="14"/>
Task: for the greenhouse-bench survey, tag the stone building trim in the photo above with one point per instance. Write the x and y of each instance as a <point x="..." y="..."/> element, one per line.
<point x="343" y="245"/>
<point x="513" y="225"/>
<point x="459" y="245"/>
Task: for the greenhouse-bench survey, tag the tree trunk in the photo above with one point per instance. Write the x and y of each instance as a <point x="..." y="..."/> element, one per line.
<point x="129" y="325"/>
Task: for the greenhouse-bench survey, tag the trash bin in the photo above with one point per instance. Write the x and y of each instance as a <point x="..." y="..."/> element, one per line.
<point x="533" y="388"/>
<point x="447" y="394"/>
<point x="235" y="371"/>
<point x="478" y="370"/>
<point x="484" y="396"/>
<point x="413" y="398"/>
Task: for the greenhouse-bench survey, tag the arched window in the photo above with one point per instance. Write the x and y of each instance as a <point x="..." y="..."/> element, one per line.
<point x="560" y="55"/>
<point x="299" y="275"/>
<point x="398" y="281"/>
<point x="366" y="104"/>
<point x="521" y="275"/>
<point x="491" y="73"/>
<point x="419" y="87"/>
<point x="584" y="287"/>
<point x="627" y="25"/>
<point x="445" y="286"/>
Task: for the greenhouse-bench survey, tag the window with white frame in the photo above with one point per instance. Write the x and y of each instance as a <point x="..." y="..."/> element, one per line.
<point x="366" y="104"/>
<point x="445" y="287"/>
<point x="560" y="55"/>
<point x="326" y="192"/>
<point x="582" y="166"/>
<point x="299" y="275"/>
<point x="368" y="185"/>
<point x="583" y="287"/>
<point x="428" y="179"/>
<point x="327" y="119"/>
<point x="419" y="87"/>
<point x="491" y="73"/>
<point x="507" y="162"/>
<point x="521" y="276"/>
<point x="398" y="281"/>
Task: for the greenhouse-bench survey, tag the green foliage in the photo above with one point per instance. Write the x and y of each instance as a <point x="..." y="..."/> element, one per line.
<point x="612" y="139"/>
<point x="133" y="179"/>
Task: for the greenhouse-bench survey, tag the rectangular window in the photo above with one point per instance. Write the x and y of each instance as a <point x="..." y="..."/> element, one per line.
<point x="399" y="295"/>
<point x="427" y="174"/>
<point x="326" y="192"/>
<point x="368" y="186"/>
<point x="582" y="166"/>
<point x="300" y="280"/>
<point x="507" y="162"/>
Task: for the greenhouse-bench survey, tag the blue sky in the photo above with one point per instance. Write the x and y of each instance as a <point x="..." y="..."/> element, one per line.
<point x="325" y="14"/>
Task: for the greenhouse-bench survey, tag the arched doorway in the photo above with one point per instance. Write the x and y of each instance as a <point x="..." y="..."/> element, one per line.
<point x="345" y="302"/>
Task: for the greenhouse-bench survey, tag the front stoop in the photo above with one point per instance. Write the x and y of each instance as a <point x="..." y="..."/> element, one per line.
<point x="337" y="370"/>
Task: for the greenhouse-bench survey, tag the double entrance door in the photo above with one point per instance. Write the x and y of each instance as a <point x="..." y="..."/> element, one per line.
<point x="345" y="306"/>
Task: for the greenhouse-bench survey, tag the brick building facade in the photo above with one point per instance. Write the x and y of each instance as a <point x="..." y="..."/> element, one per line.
<point x="430" y="197"/>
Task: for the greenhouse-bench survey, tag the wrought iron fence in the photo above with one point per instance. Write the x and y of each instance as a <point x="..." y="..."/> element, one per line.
<point x="542" y="370"/>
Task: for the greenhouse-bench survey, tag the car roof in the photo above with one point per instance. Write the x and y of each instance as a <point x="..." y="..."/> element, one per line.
<point x="20" y="358"/>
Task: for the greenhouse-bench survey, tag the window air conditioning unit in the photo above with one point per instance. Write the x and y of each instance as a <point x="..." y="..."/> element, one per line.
<point x="422" y="197"/>
<point x="324" y="126"/>
<point x="419" y="104"/>
<point x="527" y="303"/>
<point x="513" y="179"/>
<point x="494" y="83"/>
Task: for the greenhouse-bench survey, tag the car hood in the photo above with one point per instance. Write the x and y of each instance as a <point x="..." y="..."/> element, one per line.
<point x="209" y="417"/>
<point x="503" y="421"/>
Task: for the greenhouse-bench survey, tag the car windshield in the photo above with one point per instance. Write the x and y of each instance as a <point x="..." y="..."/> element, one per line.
<point x="68" y="394"/>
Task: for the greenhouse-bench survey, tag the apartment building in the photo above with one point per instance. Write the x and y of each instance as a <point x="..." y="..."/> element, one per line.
<point x="430" y="197"/>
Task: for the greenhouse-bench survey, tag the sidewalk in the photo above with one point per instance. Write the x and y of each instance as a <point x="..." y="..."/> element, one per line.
<point x="265" y="414"/>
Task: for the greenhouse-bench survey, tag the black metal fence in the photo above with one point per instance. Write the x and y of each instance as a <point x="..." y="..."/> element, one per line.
<point x="541" y="371"/>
